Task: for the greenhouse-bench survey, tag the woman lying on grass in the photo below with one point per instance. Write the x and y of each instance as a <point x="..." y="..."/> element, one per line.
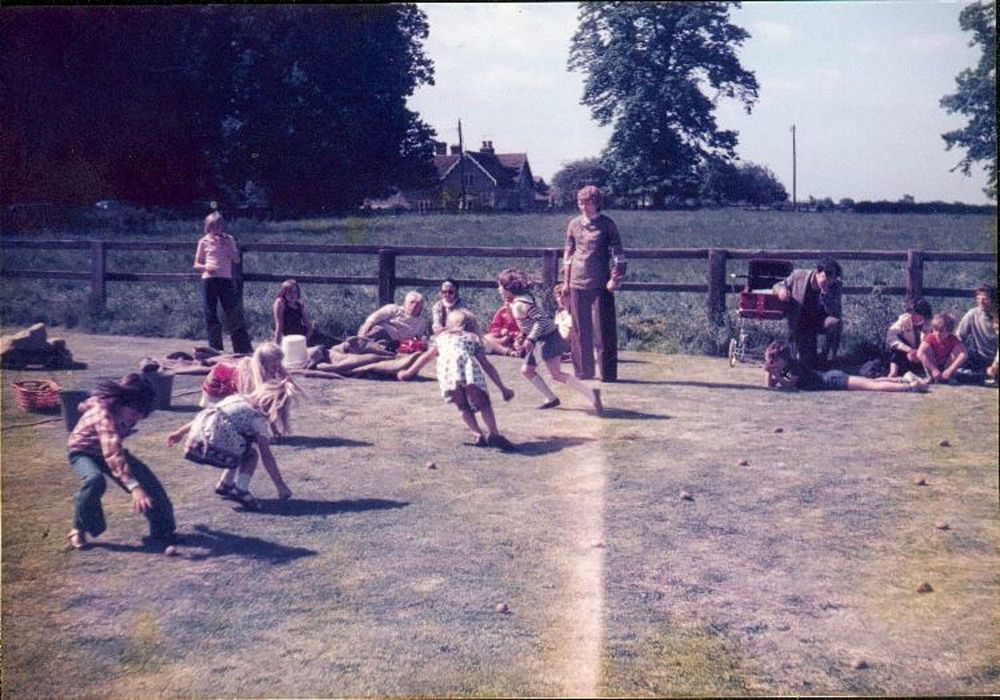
<point x="224" y="436"/>
<point x="784" y="372"/>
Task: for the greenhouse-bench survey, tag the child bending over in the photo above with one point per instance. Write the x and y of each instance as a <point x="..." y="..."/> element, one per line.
<point x="96" y="452"/>
<point x="785" y="372"/>
<point x="941" y="352"/>
<point x="224" y="436"/>
<point x="461" y="362"/>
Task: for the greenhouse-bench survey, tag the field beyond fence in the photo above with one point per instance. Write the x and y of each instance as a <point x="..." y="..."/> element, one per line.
<point x="676" y="296"/>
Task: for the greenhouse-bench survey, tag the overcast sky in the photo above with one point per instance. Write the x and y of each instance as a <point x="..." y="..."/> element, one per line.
<point x="861" y="81"/>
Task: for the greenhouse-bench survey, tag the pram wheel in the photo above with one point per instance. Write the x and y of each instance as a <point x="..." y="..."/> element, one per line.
<point x="732" y="352"/>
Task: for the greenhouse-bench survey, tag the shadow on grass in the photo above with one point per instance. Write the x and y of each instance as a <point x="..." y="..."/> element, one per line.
<point x="628" y="414"/>
<point x="549" y="445"/>
<point x="216" y="543"/>
<point x="298" y="507"/>
<point x="317" y="441"/>
<point x="718" y="385"/>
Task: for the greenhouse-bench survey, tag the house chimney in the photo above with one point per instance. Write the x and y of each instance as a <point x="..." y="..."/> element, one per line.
<point x="456" y="150"/>
<point x="440" y="148"/>
<point x="487" y="147"/>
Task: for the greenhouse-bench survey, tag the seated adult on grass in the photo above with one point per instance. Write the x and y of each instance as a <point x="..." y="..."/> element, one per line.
<point x="785" y="372"/>
<point x="394" y="324"/>
<point x="977" y="334"/>
<point x="813" y="298"/>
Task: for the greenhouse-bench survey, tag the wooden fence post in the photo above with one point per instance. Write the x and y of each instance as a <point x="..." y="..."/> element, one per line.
<point x="386" y="276"/>
<point x="717" y="285"/>
<point x="550" y="268"/>
<point x="914" y="273"/>
<point x="98" y="266"/>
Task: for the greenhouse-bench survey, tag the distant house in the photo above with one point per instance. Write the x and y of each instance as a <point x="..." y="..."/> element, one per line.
<point x="474" y="180"/>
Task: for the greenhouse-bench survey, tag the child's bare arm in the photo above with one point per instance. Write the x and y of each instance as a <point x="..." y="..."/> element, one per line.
<point x="491" y="372"/>
<point x="419" y="364"/>
<point x="178" y="435"/>
<point x="959" y="355"/>
<point x="271" y="465"/>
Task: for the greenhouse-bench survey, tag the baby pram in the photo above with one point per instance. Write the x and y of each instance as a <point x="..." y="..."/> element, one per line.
<point x="757" y="302"/>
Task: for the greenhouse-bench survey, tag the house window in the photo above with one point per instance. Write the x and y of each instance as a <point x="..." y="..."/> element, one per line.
<point x="469" y="179"/>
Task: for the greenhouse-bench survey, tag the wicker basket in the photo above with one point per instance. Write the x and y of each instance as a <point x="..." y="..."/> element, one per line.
<point x="40" y="395"/>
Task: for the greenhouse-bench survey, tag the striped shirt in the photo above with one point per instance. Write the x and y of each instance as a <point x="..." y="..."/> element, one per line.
<point x="531" y="319"/>
<point x="100" y="433"/>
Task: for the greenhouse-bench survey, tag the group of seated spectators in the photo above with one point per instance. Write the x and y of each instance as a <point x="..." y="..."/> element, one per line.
<point x="922" y="342"/>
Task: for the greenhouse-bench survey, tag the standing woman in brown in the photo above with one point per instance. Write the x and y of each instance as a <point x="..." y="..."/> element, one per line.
<point x="594" y="265"/>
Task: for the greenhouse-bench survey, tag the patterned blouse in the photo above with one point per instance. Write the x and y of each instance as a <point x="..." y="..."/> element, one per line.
<point x="457" y="366"/>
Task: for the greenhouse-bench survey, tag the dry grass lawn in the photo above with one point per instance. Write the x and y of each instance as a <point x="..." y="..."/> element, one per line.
<point x="799" y="555"/>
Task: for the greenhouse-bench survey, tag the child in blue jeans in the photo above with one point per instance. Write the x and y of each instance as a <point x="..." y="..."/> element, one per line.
<point x="96" y="452"/>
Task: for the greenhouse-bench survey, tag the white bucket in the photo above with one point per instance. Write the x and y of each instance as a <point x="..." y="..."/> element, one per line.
<point x="294" y="349"/>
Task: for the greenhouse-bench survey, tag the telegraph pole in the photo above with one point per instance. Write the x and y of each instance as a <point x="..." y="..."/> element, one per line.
<point x="795" y="204"/>
<point x="461" y="165"/>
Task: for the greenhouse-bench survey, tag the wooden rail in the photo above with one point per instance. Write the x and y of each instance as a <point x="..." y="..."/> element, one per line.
<point x="717" y="283"/>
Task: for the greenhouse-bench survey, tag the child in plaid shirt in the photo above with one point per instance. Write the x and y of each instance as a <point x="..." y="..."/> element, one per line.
<point x="96" y="452"/>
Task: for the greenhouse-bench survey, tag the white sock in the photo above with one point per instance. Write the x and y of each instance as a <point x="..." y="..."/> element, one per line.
<point x="575" y="383"/>
<point x="540" y="384"/>
<point x="243" y="480"/>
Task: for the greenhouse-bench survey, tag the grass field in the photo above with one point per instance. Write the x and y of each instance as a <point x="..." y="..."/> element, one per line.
<point x="653" y="321"/>
<point x="798" y="556"/>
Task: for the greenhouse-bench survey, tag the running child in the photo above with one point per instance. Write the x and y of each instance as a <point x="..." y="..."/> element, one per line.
<point x="96" y="452"/>
<point x="290" y="314"/>
<point x="941" y="352"/>
<point x="214" y="259"/>
<point x="540" y="332"/>
<point x="785" y="372"/>
<point x="225" y="435"/>
<point x="461" y="362"/>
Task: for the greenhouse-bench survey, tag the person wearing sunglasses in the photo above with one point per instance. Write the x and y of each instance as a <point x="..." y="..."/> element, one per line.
<point x="449" y="301"/>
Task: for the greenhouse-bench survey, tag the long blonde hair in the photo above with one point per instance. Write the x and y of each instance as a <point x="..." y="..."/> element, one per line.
<point x="275" y="399"/>
<point x="251" y="370"/>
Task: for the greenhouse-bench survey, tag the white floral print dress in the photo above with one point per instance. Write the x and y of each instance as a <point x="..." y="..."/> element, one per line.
<point x="456" y="362"/>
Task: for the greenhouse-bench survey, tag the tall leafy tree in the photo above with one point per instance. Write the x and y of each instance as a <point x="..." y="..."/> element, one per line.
<point x="976" y="96"/>
<point x="655" y="71"/>
<point x="574" y="175"/>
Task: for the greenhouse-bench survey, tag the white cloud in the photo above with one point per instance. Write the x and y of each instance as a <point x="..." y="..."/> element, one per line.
<point x="772" y="32"/>
<point x="930" y="43"/>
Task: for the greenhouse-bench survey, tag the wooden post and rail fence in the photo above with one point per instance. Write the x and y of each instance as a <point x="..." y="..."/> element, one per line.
<point x="717" y="282"/>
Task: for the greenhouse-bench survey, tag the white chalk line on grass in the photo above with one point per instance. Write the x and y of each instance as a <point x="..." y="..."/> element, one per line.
<point x="581" y="628"/>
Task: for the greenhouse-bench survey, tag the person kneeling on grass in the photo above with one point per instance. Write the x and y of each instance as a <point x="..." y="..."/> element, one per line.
<point x="461" y="361"/>
<point x="784" y="372"/>
<point x="96" y="451"/>
<point x="224" y="435"/>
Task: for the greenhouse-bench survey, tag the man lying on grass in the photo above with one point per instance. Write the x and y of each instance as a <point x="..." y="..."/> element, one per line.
<point x="784" y="372"/>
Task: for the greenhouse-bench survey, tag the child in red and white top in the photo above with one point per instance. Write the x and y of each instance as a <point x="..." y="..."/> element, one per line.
<point x="940" y="351"/>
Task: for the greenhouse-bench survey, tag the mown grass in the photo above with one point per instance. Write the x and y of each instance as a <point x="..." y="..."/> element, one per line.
<point x="648" y="321"/>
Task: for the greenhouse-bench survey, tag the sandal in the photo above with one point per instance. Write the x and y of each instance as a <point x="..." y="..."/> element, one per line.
<point x="225" y="490"/>
<point x="77" y="539"/>
<point x="245" y="499"/>
<point x="478" y="442"/>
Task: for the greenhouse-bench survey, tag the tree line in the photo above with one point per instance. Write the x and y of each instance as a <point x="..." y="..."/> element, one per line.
<point x="301" y="107"/>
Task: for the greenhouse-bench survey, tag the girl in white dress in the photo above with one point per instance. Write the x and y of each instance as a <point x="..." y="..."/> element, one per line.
<point x="461" y="364"/>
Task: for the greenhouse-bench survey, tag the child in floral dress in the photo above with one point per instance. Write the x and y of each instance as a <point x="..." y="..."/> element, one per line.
<point x="461" y="364"/>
